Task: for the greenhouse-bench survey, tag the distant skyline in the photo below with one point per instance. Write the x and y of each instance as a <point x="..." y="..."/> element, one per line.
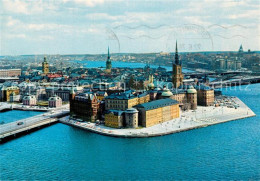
<point x="127" y="26"/>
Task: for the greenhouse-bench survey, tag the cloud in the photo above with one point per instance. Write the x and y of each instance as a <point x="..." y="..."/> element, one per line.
<point x="245" y="14"/>
<point x="88" y="3"/>
<point x="28" y="7"/>
<point x="102" y="16"/>
<point x="15" y="6"/>
<point x="15" y="36"/>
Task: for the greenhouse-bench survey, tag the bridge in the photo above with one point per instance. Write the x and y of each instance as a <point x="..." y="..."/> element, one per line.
<point x="11" y="130"/>
<point x="235" y="82"/>
<point x="202" y="74"/>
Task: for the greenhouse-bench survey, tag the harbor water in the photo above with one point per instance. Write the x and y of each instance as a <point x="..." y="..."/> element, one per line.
<point x="120" y="64"/>
<point x="14" y="115"/>
<point x="229" y="151"/>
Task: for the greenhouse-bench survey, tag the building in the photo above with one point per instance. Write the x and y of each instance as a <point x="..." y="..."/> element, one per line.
<point x="85" y="106"/>
<point x="55" y="101"/>
<point x="14" y="97"/>
<point x="29" y="100"/>
<point x="10" y="72"/>
<point x="143" y="98"/>
<point x="114" y="119"/>
<point x="192" y="97"/>
<point x="131" y="118"/>
<point x="45" y="66"/>
<point x="205" y="95"/>
<point x="156" y="112"/>
<point x="108" y="63"/>
<point x="177" y="76"/>
<point x="124" y="100"/>
<point x="63" y="92"/>
<point x="7" y="91"/>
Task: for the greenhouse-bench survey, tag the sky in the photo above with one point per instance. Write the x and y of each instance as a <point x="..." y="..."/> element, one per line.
<point x="127" y="26"/>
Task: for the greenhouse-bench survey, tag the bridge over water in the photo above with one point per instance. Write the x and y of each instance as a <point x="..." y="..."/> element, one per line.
<point x="11" y="130"/>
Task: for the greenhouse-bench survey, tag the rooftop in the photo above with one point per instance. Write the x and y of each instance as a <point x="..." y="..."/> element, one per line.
<point x="157" y="104"/>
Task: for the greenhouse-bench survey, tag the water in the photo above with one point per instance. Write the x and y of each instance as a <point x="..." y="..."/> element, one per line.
<point x="120" y="64"/>
<point x="14" y="115"/>
<point x="224" y="151"/>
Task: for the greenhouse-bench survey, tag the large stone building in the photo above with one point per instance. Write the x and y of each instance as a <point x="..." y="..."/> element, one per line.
<point x="205" y="95"/>
<point x="114" y="118"/>
<point x="156" y="112"/>
<point x="177" y="77"/>
<point x="10" y="72"/>
<point x="85" y="106"/>
<point x="124" y="100"/>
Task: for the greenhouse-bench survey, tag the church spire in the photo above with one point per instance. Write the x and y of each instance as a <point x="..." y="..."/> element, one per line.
<point x="177" y="62"/>
<point x="108" y="63"/>
<point x="108" y="55"/>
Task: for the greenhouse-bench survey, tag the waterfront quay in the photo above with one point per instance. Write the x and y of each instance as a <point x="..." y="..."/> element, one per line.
<point x="202" y="117"/>
<point x="14" y="129"/>
<point x="5" y="106"/>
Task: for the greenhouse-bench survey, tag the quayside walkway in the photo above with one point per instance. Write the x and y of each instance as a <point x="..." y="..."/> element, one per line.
<point x="11" y="130"/>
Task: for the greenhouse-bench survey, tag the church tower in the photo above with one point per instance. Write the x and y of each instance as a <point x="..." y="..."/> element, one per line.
<point x="177" y="76"/>
<point x="45" y="66"/>
<point x="108" y="63"/>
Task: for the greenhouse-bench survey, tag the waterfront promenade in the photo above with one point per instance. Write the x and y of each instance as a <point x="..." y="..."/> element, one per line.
<point x="9" y="106"/>
<point x="202" y="117"/>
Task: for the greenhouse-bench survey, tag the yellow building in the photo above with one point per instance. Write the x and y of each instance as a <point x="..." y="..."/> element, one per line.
<point x="114" y="119"/>
<point x="125" y="100"/>
<point x="157" y="112"/>
<point x="143" y="98"/>
<point x="7" y="91"/>
<point x="45" y="66"/>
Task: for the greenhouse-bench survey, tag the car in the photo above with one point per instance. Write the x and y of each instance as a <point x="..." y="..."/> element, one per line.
<point x="20" y="123"/>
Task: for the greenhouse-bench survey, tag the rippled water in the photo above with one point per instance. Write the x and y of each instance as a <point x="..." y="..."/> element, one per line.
<point x="223" y="151"/>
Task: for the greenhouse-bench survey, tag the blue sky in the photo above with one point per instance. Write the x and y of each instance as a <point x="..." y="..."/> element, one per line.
<point x="135" y="26"/>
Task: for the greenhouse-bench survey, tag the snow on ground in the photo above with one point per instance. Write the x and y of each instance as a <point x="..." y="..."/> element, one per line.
<point x="201" y="117"/>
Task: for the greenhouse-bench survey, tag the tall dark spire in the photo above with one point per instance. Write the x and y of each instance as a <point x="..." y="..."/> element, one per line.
<point x="108" y="56"/>
<point x="177" y="62"/>
<point x="108" y="63"/>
